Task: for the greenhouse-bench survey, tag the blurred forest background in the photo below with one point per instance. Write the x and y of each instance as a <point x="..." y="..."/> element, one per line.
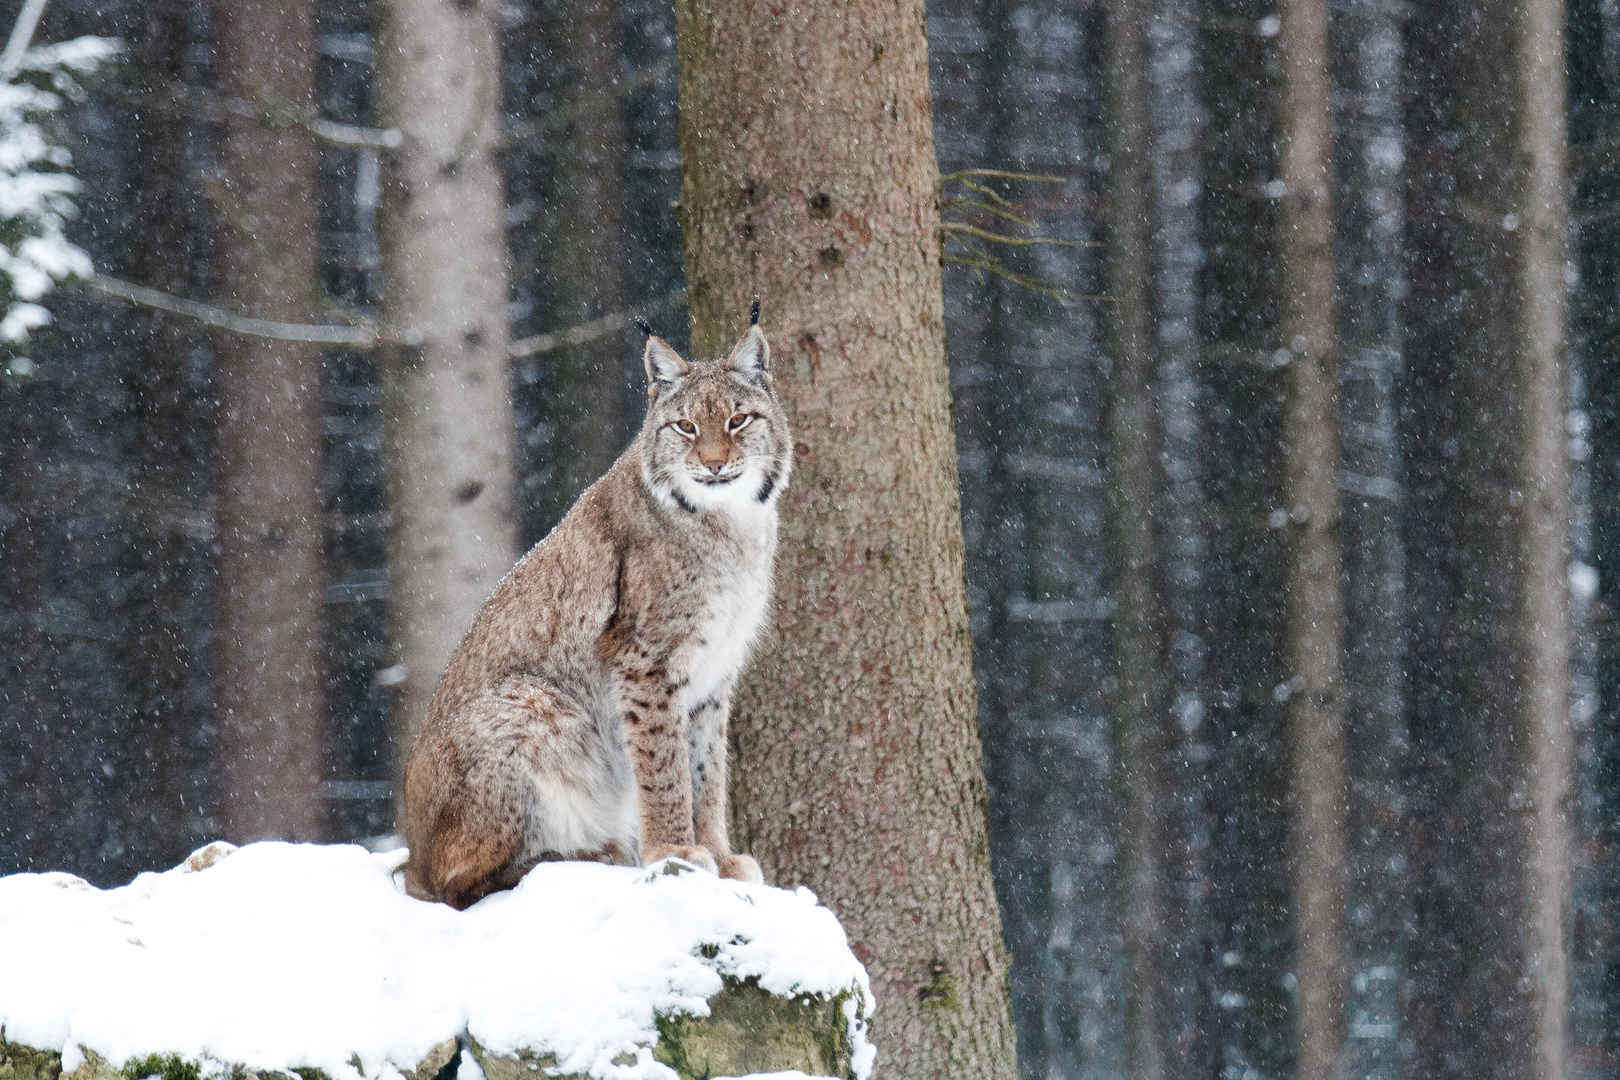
<point x="119" y="475"/>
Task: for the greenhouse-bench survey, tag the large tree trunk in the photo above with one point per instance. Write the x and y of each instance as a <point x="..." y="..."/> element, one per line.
<point x="270" y="715"/>
<point x="447" y="401"/>
<point x="809" y="178"/>
<point x="1314" y="603"/>
<point x="1513" y="625"/>
<point x="1139" y="738"/>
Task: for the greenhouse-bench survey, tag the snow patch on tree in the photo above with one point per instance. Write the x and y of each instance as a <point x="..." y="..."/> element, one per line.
<point x="37" y="189"/>
<point x="279" y="957"/>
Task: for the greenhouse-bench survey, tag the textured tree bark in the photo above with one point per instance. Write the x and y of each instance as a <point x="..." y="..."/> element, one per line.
<point x="1513" y="623"/>
<point x="447" y="402"/>
<point x="270" y="712"/>
<point x="808" y="176"/>
<point x="1139" y="738"/>
<point x="1314" y="602"/>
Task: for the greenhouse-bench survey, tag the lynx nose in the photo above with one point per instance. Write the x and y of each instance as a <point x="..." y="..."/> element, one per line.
<point x="714" y="465"/>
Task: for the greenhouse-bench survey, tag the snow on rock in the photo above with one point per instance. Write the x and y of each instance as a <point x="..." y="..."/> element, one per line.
<point x="279" y="956"/>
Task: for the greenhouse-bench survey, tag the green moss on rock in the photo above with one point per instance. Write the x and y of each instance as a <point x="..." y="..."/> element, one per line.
<point x="524" y="1065"/>
<point x="164" y="1066"/>
<point x="750" y="1030"/>
<point x="94" y="1067"/>
<point x="18" y="1062"/>
<point x="437" y="1058"/>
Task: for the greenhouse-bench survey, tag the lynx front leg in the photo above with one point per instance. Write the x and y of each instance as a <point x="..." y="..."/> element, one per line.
<point x="655" y="734"/>
<point x="711" y="788"/>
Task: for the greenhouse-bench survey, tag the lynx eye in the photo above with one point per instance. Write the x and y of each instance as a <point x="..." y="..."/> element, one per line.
<point x="738" y="422"/>
<point x="686" y="427"/>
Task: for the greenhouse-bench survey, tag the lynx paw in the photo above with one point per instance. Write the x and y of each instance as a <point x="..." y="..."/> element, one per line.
<point x="741" y="868"/>
<point x="694" y="854"/>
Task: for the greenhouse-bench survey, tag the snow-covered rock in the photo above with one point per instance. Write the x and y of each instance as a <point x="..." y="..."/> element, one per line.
<point x="281" y="958"/>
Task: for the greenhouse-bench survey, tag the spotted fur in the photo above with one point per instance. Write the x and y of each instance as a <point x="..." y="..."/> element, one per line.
<point x="584" y="714"/>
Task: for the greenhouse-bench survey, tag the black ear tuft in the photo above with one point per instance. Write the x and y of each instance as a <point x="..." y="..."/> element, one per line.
<point x="641" y="324"/>
<point x="753" y="313"/>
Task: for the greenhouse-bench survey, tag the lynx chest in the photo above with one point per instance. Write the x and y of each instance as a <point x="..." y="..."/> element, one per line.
<point x="729" y="621"/>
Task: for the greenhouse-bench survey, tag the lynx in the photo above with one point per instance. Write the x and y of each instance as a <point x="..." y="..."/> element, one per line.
<point x="584" y="714"/>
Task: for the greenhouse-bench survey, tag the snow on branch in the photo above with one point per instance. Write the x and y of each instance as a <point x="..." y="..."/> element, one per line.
<point x="37" y="189"/>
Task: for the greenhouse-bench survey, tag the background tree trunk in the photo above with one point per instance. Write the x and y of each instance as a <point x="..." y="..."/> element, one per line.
<point x="1133" y="449"/>
<point x="166" y="810"/>
<point x="583" y="240"/>
<point x="447" y="402"/>
<point x="1250" y="1019"/>
<point x="1367" y="51"/>
<point x="809" y="177"/>
<point x="1594" y="430"/>
<point x="272" y="733"/>
<point x="1176" y="119"/>
<point x="1314" y="602"/>
<point x="1513" y="626"/>
<point x="1016" y="87"/>
<point x="1430" y="422"/>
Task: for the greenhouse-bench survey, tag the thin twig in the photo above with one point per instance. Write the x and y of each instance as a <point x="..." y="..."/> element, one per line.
<point x="987" y="191"/>
<point x="1046" y="288"/>
<point x="984" y="207"/>
<point x="363" y="336"/>
<point x="1040" y="178"/>
<point x="1014" y="241"/>
<point x="971" y="255"/>
<point x="591" y="331"/>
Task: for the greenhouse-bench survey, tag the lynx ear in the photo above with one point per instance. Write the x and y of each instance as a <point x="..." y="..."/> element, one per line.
<point x="752" y="357"/>
<point x="664" y="365"/>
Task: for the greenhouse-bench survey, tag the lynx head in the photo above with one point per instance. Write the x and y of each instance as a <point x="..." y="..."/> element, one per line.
<point x="715" y="436"/>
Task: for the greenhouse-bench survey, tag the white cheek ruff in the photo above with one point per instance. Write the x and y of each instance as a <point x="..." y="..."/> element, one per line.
<point x="739" y="496"/>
